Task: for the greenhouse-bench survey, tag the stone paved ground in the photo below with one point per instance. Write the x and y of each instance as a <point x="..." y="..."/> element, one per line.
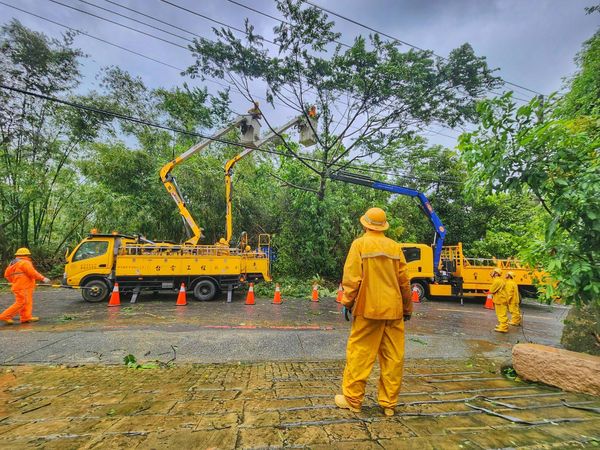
<point x="283" y="404"/>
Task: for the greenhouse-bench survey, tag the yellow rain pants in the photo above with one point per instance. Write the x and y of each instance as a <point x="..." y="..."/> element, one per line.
<point x="369" y="339"/>
<point x="512" y="291"/>
<point x="498" y="290"/>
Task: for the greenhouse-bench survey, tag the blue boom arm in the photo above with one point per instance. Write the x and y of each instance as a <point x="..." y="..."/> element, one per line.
<point x="438" y="226"/>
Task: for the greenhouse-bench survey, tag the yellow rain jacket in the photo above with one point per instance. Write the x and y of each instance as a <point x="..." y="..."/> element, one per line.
<point x="498" y="290"/>
<point x="375" y="278"/>
<point x="512" y="294"/>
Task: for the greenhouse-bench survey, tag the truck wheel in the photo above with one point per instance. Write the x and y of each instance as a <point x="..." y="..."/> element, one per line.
<point x="421" y="289"/>
<point x="95" y="291"/>
<point x="205" y="290"/>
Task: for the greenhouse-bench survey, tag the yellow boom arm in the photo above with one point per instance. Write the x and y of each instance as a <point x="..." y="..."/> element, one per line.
<point x="250" y="130"/>
<point x="307" y="138"/>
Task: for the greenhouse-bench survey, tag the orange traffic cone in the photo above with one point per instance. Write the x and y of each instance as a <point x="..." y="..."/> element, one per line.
<point x="489" y="302"/>
<point x="415" y="295"/>
<point x="181" y="297"/>
<point x="277" y="296"/>
<point x="250" y="296"/>
<point x="115" y="298"/>
<point x="315" y="293"/>
<point x="340" y="294"/>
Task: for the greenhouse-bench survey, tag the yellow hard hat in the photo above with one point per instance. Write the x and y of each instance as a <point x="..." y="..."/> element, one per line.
<point x="222" y="241"/>
<point x="375" y="219"/>
<point x="510" y="274"/>
<point x="497" y="270"/>
<point x="23" y="251"/>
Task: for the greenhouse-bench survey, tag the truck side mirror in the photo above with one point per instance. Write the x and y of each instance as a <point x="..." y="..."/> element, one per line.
<point x="67" y="253"/>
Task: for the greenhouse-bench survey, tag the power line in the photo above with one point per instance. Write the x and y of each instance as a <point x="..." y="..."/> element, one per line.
<point x="94" y="37"/>
<point x="246" y="33"/>
<point x="120" y="24"/>
<point x="262" y="13"/>
<point x="140" y="31"/>
<point x="223" y="24"/>
<point x="135" y="20"/>
<point x="152" y="17"/>
<point x="401" y="41"/>
<point x="147" y="34"/>
<point x="120" y="47"/>
<point x="146" y="56"/>
<point x="187" y="39"/>
<point x="198" y="135"/>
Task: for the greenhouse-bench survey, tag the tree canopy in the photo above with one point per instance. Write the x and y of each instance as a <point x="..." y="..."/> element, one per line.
<point x="550" y="149"/>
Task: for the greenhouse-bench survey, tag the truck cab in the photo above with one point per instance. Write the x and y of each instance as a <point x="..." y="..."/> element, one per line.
<point x="90" y="265"/>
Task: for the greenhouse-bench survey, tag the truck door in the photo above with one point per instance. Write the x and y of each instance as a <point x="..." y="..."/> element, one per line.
<point x="91" y="257"/>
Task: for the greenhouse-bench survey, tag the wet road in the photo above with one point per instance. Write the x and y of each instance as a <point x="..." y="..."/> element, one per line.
<point x="73" y="331"/>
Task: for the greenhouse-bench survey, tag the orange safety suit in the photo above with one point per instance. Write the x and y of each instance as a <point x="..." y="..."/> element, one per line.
<point x="376" y="287"/>
<point x="512" y="293"/>
<point x="498" y="290"/>
<point x="22" y="276"/>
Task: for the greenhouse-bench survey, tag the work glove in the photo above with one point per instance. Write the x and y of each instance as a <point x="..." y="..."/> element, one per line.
<point x="46" y="280"/>
<point x="407" y="317"/>
<point x="347" y="312"/>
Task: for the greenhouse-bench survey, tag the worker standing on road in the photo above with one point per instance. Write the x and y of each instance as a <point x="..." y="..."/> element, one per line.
<point x="376" y="289"/>
<point x="498" y="290"/>
<point x="512" y="292"/>
<point x="22" y="276"/>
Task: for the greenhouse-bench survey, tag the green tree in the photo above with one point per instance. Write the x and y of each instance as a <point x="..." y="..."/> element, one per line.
<point x="38" y="139"/>
<point x="551" y="149"/>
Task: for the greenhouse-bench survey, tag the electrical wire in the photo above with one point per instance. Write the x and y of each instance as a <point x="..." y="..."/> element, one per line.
<point x="195" y="134"/>
<point x="93" y="37"/>
<point x="120" y="24"/>
<point x="223" y="24"/>
<point x="152" y="17"/>
<point x="267" y="40"/>
<point x="362" y="25"/>
<point x="135" y="20"/>
<point x="262" y="13"/>
<point x="120" y="47"/>
<point x="164" y="40"/>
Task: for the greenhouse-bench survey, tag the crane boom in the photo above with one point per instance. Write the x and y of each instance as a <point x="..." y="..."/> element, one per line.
<point x="250" y="130"/>
<point x="438" y="226"/>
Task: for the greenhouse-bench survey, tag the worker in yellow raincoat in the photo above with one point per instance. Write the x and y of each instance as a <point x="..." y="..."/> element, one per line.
<point x="22" y="276"/>
<point x="512" y="292"/>
<point x="498" y="290"/>
<point x="377" y="290"/>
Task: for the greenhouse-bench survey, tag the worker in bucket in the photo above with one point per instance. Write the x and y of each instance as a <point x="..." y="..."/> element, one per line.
<point x="512" y="292"/>
<point x="377" y="291"/>
<point x="498" y="290"/>
<point x="22" y="276"/>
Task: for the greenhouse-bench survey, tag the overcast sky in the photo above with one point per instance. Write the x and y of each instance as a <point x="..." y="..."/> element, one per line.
<point x="533" y="42"/>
